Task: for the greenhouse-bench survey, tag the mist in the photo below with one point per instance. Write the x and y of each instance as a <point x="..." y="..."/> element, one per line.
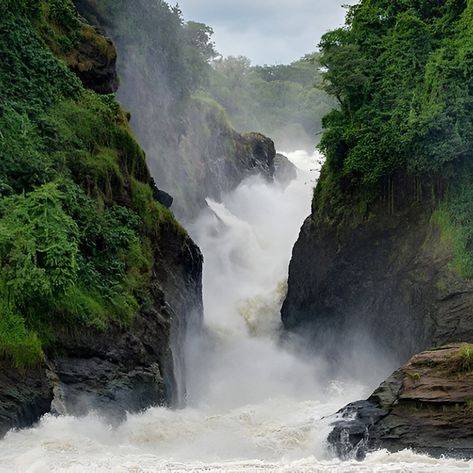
<point x="255" y="399"/>
<point x="242" y="356"/>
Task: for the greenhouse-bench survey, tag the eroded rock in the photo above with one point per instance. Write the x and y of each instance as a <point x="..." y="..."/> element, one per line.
<point x="427" y="406"/>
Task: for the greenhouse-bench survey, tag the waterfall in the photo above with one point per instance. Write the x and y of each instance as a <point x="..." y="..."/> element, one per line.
<point x="253" y="402"/>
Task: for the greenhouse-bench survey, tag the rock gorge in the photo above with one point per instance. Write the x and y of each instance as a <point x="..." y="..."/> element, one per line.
<point x="99" y="280"/>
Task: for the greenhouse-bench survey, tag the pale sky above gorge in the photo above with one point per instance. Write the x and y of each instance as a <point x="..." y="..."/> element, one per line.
<point x="267" y="31"/>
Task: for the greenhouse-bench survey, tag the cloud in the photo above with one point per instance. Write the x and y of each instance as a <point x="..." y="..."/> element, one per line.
<point x="267" y="31"/>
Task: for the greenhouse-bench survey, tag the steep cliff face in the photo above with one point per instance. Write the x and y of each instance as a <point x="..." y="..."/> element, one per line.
<point x="383" y="265"/>
<point x="425" y="405"/>
<point x="386" y="253"/>
<point x="186" y="135"/>
<point x="387" y="279"/>
<point x="118" y="369"/>
<point x="116" y="280"/>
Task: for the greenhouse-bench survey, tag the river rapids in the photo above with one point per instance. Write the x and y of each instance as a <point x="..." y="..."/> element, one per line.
<point x="256" y="400"/>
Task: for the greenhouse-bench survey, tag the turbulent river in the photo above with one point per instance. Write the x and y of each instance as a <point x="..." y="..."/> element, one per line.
<point x="255" y="403"/>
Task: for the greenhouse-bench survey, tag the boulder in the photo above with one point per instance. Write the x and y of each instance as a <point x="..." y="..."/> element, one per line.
<point x="427" y="406"/>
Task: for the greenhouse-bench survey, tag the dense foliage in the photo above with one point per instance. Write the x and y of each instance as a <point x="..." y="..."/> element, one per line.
<point x="284" y="102"/>
<point x="76" y="209"/>
<point x="402" y="73"/>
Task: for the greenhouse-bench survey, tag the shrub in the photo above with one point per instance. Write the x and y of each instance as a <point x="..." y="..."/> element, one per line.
<point x="465" y="358"/>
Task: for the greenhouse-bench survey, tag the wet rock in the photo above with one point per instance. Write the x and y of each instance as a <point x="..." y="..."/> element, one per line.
<point x="284" y="170"/>
<point x="386" y="278"/>
<point x="24" y="396"/>
<point x="161" y="196"/>
<point x="425" y="406"/>
<point x="260" y="153"/>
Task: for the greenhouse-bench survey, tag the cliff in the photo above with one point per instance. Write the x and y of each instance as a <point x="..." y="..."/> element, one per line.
<point x="385" y="256"/>
<point x="388" y="279"/>
<point x="98" y="280"/>
<point x="426" y="405"/>
<point x="163" y="66"/>
<point x="383" y="265"/>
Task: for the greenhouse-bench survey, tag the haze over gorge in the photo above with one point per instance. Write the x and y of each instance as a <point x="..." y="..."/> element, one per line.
<point x="213" y="265"/>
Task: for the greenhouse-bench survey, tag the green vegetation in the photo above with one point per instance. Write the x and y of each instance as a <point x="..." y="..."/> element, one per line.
<point x="172" y="54"/>
<point x="167" y="60"/>
<point x="464" y="361"/>
<point x="402" y="74"/>
<point x="75" y="242"/>
<point x="284" y="102"/>
<point x="415" y="377"/>
<point x="183" y="86"/>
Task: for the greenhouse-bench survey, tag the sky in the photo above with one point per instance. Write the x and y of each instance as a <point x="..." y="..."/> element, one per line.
<point x="266" y="31"/>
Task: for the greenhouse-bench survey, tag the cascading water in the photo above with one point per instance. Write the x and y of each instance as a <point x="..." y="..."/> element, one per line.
<point x="254" y="403"/>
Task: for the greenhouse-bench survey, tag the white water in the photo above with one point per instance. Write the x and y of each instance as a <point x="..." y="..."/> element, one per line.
<point x="254" y="405"/>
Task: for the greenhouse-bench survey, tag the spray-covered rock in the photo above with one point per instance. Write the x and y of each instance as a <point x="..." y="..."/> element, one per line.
<point x="426" y="406"/>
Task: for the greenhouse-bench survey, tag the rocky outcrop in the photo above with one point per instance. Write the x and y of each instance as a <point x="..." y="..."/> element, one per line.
<point x="187" y="137"/>
<point x="24" y="396"/>
<point x="387" y="279"/>
<point x="427" y="406"/>
<point x="123" y="366"/>
<point x="211" y="158"/>
<point x="206" y="153"/>
<point x="94" y="59"/>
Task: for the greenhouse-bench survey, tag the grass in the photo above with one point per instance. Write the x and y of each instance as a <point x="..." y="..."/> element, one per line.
<point x="455" y="236"/>
<point x="415" y="377"/>
<point x="464" y="359"/>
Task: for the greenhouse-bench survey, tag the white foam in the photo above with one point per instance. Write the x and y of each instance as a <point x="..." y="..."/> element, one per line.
<point x="254" y="406"/>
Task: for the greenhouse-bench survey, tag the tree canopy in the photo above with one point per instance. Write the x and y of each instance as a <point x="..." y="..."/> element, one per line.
<point x="402" y="73"/>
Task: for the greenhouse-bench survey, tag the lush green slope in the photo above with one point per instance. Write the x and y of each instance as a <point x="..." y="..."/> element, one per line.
<point x="403" y="75"/>
<point x="77" y="214"/>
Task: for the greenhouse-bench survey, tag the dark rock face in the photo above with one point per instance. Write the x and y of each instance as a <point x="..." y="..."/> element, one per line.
<point x="162" y="197"/>
<point x="94" y="61"/>
<point x="425" y="406"/>
<point x="387" y="280"/>
<point x="24" y="396"/>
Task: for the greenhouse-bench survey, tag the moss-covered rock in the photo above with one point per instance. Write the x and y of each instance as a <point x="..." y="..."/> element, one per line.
<point x="97" y="277"/>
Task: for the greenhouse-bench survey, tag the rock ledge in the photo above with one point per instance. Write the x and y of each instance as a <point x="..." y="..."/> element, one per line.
<point x="427" y="406"/>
